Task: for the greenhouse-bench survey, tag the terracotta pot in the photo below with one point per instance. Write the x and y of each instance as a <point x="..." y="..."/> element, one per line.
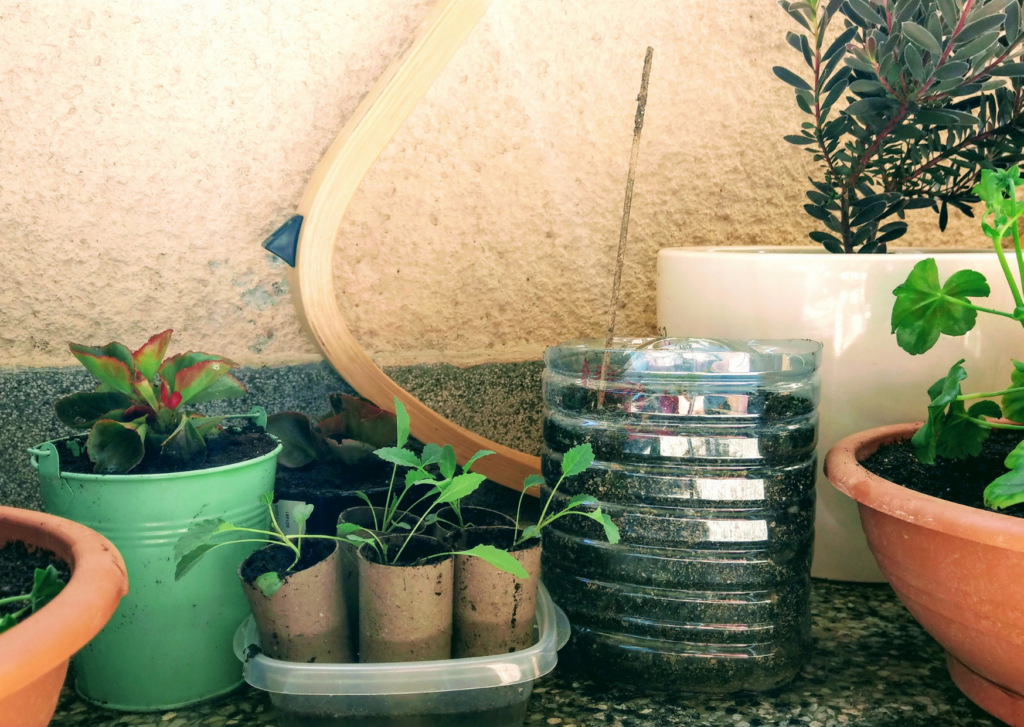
<point x="494" y="611"/>
<point x="365" y="518"/>
<point x="34" y="654"/>
<point x="481" y="517"/>
<point x="959" y="571"/>
<point x="405" y="611"/>
<point x="305" y="620"/>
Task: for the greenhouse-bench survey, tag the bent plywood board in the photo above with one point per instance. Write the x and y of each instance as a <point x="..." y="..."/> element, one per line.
<point x="326" y="199"/>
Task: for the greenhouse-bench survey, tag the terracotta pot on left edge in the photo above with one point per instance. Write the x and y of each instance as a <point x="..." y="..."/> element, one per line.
<point x="959" y="570"/>
<point x="34" y="654"/>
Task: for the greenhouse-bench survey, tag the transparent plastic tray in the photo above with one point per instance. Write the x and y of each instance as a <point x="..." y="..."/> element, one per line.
<point x="491" y="690"/>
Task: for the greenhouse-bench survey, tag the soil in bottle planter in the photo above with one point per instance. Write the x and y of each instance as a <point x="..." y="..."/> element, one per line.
<point x="705" y="460"/>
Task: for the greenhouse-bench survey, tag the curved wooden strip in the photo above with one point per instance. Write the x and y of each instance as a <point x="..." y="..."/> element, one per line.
<point x="327" y="197"/>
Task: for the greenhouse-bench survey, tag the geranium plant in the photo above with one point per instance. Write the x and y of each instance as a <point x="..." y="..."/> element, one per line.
<point x="46" y="584"/>
<point x="144" y="400"/>
<point x="907" y="103"/>
<point x="925" y="309"/>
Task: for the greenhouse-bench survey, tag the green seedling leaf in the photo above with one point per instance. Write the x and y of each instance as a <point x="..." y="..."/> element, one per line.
<point x="148" y="358"/>
<point x="116" y="447"/>
<point x="226" y="387"/>
<point x="472" y="460"/>
<point x="576" y="500"/>
<point x="111" y="364"/>
<point x="431" y="454"/>
<point x="185" y="447"/>
<point x="46" y="584"/>
<point x="399" y="456"/>
<point x="268" y="583"/>
<point x="924" y="309"/>
<point x="942" y="393"/>
<point x="530" y="531"/>
<point x="500" y="559"/>
<point x="447" y="463"/>
<point x="416" y="476"/>
<point x="345" y="529"/>
<point x="577" y="459"/>
<point x="460" y="487"/>
<point x="1013" y="403"/>
<point x="532" y="481"/>
<point x="85" y="408"/>
<point x="402" y="423"/>
<point x="300" y="514"/>
<point x="364" y="497"/>
<point x="300" y="443"/>
<point x="611" y="530"/>
<point x="1008" y="490"/>
<point x="196" y="542"/>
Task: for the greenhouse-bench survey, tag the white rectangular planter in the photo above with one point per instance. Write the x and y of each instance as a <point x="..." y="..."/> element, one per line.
<point x="844" y="301"/>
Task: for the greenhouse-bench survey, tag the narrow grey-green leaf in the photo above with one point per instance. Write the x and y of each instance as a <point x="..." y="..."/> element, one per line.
<point x="791" y="78"/>
<point x="922" y="37"/>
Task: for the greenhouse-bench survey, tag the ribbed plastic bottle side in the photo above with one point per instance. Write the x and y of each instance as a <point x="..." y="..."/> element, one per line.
<point x="711" y="484"/>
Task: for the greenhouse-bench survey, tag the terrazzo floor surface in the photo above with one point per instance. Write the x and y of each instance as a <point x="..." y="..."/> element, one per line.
<point x="872" y="666"/>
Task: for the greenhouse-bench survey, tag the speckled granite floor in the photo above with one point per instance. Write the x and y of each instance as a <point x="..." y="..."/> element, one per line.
<point x="873" y="666"/>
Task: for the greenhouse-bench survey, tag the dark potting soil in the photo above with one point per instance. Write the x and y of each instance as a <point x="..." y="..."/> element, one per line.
<point x="17" y="571"/>
<point x="500" y="537"/>
<point x="231" y="446"/>
<point x="318" y="477"/>
<point x="278" y="558"/>
<point x="416" y="553"/>
<point x="962" y="481"/>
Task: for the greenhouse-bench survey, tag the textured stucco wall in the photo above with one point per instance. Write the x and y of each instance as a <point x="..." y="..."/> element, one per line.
<point x="146" y="148"/>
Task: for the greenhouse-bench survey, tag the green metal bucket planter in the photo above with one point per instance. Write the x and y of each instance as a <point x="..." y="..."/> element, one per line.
<point x="170" y="643"/>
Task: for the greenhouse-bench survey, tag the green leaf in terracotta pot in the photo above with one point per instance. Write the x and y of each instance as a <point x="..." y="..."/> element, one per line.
<point x="116" y="447"/>
<point x="577" y="459"/>
<point x="961" y="437"/>
<point x="268" y="583"/>
<point x="479" y="455"/>
<point x="402" y="423"/>
<point x="46" y="584"/>
<point x="85" y="408"/>
<point x="1013" y="403"/>
<point x="1008" y="489"/>
<point x="497" y="557"/>
<point x="942" y="393"/>
<point x="399" y="456"/>
<point x="925" y="309"/>
<point x="461" y="486"/>
<point x="185" y="447"/>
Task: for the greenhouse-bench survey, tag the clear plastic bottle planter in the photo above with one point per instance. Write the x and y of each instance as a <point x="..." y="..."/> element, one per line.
<point x="490" y="690"/>
<point x="705" y="460"/>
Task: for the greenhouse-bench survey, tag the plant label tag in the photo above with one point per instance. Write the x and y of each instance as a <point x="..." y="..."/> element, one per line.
<point x="730" y="489"/>
<point x="710" y="447"/>
<point x="283" y="510"/>
<point x="737" y="531"/>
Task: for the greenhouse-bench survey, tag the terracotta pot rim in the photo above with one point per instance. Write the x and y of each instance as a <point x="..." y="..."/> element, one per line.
<point x="99" y="580"/>
<point x="844" y="471"/>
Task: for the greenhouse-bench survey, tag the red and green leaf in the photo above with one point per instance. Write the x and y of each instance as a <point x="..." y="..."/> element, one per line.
<point x="85" y="408"/>
<point x="198" y="377"/>
<point x="116" y="447"/>
<point x="167" y="398"/>
<point x="144" y="389"/>
<point x="169" y="369"/>
<point x="111" y="364"/>
<point x="185" y="447"/>
<point x="226" y="387"/>
<point x="148" y="358"/>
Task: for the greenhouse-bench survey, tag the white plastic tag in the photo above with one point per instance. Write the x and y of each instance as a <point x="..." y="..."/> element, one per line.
<point x="737" y="531"/>
<point x="733" y="489"/>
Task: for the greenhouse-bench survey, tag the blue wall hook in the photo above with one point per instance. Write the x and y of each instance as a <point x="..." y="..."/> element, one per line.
<point x="284" y="241"/>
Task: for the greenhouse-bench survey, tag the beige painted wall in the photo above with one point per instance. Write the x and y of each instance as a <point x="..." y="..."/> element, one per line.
<point x="146" y="148"/>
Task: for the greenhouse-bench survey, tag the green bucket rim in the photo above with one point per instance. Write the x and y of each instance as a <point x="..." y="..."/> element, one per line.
<point x="162" y="475"/>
